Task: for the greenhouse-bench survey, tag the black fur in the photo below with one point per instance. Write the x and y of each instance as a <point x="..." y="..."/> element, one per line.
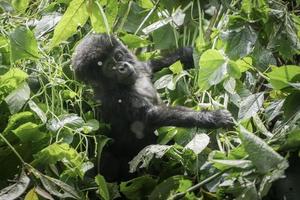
<point x="130" y="103"/>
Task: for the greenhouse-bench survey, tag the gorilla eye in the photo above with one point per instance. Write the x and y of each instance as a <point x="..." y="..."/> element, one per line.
<point x="118" y="55"/>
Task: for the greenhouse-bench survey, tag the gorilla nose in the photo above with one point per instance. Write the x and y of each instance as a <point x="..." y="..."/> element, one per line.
<point x="124" y="67"/>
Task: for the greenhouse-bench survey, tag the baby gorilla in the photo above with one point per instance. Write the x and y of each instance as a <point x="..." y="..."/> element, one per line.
<point x="130" y="103"/>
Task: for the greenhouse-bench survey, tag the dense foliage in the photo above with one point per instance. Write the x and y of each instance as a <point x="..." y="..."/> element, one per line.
<point x="247" y="60"/>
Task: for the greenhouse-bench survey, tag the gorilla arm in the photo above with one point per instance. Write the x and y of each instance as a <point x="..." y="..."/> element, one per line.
<point x="162" y="115"/>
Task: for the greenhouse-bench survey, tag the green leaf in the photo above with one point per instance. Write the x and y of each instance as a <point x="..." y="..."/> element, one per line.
<point x="292" y="141"/>
<point x="170" y="187"/>
<point x="31" y="195"/>
<point x="134" y="41"/>
<point x="102" y="187"/>
<point x="244" y="64"/>
<point x="64" y="153"/>
<point x="233" y="70"/>
<point x="229" y="85"/>
<point x="58" y="187"/>
<point x="163" y="38"/>
<point x="35" y="108"/>
<point x="28" y="132"/>
<point x="17" y="189"/>
<point x="239" y="42"/>
<point x="176" y="67"/>
<point x="17" y="98"/>
<point x="142" y="160"/>
<point x="97" y="17"/>
<point x="250" y="105"/>
<point x="20" y="5"/>
<point x="139" y="187"/>
<point x="23" y="44"/>
<point x="281" y="77"/>
<point x="212" y="69"/>
<point x="198" y="143"/>
<point x="75" y="15"/>
<point x="18" y="119"/>
<point x="10" y="81"/>
<point x="69" y="120"/>
<point x="291" y="105"/>
<point x="260" y="153"/>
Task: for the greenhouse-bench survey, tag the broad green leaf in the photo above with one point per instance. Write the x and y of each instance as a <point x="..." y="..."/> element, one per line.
<point x="147" y="4"/>
<point x="261" y="127"/>
<point x="229" y="85"/>
<point x="164" y="81"/>
<point x="213" y="68"/>
<point x="98" y="17"/>
<point x="31" y="195"/>
<point x="250" y="105"/>
<point x="23" y="44"/>
<point x="90" y="125"/>
<point x="176" y="67"/>
<point x="239" y="42"/>
<point x="285" y="39"/>
<point x="225" y="164"/>
<point x="198" y="143"/>
<point x="28" y="132"/>
<point x="244" y="64"/>
<point x="139" y="187"/>
<point x="233" y="70"/>
<point x="57" y="152"/>
<point x="58" y="188"/>
<point x="262" y="58"/>
<point x="69" y="120"/>
<point x="46" y="24"/>
<point x="102" y="187"/>
<point x="292" y="141"/>
<point x="291" y="105"/>
<point x="134" y="41"/>
<point x="35" y="108"/>
<point x="75" y="15"/>
<point x="260" y="153"/>
<point x="281" y="77"/>
<point x="20" y="5"/>
<point x="111" y="11"/>
<point x="17" y="98"/>
<point x="142" y="160"/>
<point x="4" y="51"/>
<point x="17" y="189"/>
<point x="10" y="81"/>
<point x="169" y="187"/>
<point x="273" y="110"/>
<point x="18" y="119"/>
<point x="163" y="38"/>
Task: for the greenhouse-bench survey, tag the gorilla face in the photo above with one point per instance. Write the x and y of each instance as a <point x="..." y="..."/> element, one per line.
<point x="104" y="58"/>
<point x="119" y="66"/>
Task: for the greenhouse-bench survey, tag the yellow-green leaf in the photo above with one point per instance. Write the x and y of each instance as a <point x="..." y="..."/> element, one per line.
<point x="75" y="15"/>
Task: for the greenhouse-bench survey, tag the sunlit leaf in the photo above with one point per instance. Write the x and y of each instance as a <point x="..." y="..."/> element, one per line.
<point x="28" y="132"/>
<point x="23" y="44"/>
<point x="76" y="15"/>
<point x="102" y="187"/>
<point x="20" y="5"/>
<point x="213" y="68"/>
<point x="31" y="195"/>
<point x="280" y="77"/>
